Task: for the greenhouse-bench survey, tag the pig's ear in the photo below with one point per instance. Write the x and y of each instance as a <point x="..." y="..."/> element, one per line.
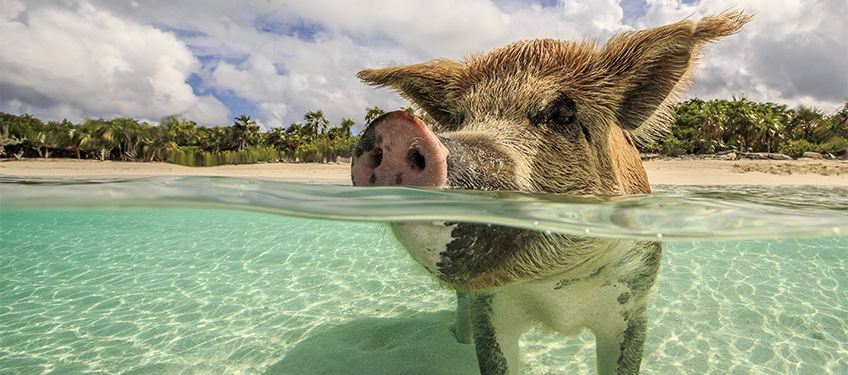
<point x="430" y="85"/>
<point x="649" y="68"/>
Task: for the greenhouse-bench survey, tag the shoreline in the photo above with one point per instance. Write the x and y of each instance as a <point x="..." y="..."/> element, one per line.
<point x="660" y="171"/>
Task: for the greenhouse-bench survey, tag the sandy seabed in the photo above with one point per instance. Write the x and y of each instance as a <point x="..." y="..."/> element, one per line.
<point x="660" y="172"/>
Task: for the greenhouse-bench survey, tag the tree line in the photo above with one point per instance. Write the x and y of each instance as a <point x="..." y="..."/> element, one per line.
<point x="180" y="141"/>
<point x="699" y="127"/>
<point x="704" y="127"/>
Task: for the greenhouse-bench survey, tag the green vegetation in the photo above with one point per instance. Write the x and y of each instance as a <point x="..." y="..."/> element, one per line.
<point x="703" y="127"/>
<point x="700" y="127"/>
<point x="177" y="140"/>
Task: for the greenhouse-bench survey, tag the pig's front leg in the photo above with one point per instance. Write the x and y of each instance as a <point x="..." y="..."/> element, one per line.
<point x="496" y="332"/>
<point x="619" y="351"/>
<point x="462" y="327"/>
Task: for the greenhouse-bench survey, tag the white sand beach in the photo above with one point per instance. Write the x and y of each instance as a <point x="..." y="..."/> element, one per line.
<point x="660" y="172"/>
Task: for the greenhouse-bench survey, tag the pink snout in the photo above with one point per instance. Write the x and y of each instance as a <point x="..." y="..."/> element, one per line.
<point x="398" y="149"/>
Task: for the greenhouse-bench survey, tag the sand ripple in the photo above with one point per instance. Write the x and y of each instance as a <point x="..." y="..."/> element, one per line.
<point x="216" y="291"/>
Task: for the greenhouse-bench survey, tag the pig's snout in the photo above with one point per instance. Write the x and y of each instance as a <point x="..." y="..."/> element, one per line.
<point x="398" y="149"/>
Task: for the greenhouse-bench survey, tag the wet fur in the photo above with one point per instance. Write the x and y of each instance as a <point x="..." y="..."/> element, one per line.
<point x="485" y="111"/>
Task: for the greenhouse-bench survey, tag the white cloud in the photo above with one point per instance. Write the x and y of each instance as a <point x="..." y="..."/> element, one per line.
<point x="10" y="9"/>
<point x="208" y="110"/>
<point x="134" y="58"/>
<point x="792" y="52"/>
<point x="98" y="64"/>
<point x="446" y="28"/>
<point x="286" y="76"/>
<point x="291" y="77"/>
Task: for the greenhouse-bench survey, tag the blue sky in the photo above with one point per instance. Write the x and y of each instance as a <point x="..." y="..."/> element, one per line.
<point x="274" y="60"/>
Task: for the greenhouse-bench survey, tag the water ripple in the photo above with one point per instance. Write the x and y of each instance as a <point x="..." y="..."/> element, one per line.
<point x="691" y="213"/>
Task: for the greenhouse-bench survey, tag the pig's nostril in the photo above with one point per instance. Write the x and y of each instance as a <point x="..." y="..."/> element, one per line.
<point x="416" y="160"/>
<point x="376" y="158"/>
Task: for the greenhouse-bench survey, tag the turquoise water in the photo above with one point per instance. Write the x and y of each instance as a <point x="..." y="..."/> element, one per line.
<point x="239" y="276"/>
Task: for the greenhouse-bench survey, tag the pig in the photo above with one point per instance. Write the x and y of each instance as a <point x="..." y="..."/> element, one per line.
<point x="537" y="116"/>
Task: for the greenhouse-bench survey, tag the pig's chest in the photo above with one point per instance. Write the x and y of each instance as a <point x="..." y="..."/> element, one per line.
<point x="424" y="242"/>
<point x="582" y="298"/>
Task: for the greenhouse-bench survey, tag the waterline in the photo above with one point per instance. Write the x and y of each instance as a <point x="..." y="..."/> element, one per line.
<point x="670" y="213"/>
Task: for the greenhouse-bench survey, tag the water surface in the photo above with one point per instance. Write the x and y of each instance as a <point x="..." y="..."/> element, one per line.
<point x="671" y="212"/>
<point x="200" y="275"/>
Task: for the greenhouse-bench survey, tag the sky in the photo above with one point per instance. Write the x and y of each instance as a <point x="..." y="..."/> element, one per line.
<point x="274" y="60"/>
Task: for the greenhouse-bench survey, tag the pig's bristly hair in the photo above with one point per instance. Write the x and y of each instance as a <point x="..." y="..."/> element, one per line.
<point x="430" y="85"/>
<point x="635" y="78"/>
<point x="672" y="61"/>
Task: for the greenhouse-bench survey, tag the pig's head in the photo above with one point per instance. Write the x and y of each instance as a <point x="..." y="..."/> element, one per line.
<point x="536" y="116"/>
<point x="540" y="115"/>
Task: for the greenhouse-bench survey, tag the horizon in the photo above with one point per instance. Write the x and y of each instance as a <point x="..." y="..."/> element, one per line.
<point x="275" y="62"/>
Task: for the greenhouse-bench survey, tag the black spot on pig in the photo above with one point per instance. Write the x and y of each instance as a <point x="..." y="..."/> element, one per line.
<point x="365" y="144"/>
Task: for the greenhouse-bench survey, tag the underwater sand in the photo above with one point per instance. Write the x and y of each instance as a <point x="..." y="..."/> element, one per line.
<point x="210" y="290"/>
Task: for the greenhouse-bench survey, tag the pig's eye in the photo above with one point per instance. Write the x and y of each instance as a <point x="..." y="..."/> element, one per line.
<point x="561" y="111"/>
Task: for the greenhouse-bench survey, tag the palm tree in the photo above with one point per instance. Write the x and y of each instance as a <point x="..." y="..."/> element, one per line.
<point x="214" y="139"/>
<point x="315" y="121"/>
<point x="373" y="113"/>
<point x="245" y="131"/>
<point x="342" y="131"/>
<point x="804" y="123"/>
<point x="295" y="137"/>
<point x="294" y="128"/>
<point x="129" y="136"/>
<point x="72" y="138"/>
<point x="155" y="143"/>
<point x="277" y="138"/>
<point x="773" y="118"/>
<point x="182" y="132"/>
<point x="99" y="137"/>
<point x="29" y="130"/>
<point x="345" y="126"/>
<point x="713" y="128"/>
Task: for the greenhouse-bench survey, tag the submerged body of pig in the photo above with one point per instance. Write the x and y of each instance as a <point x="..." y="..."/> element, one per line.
<point x="537" y="116"/>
